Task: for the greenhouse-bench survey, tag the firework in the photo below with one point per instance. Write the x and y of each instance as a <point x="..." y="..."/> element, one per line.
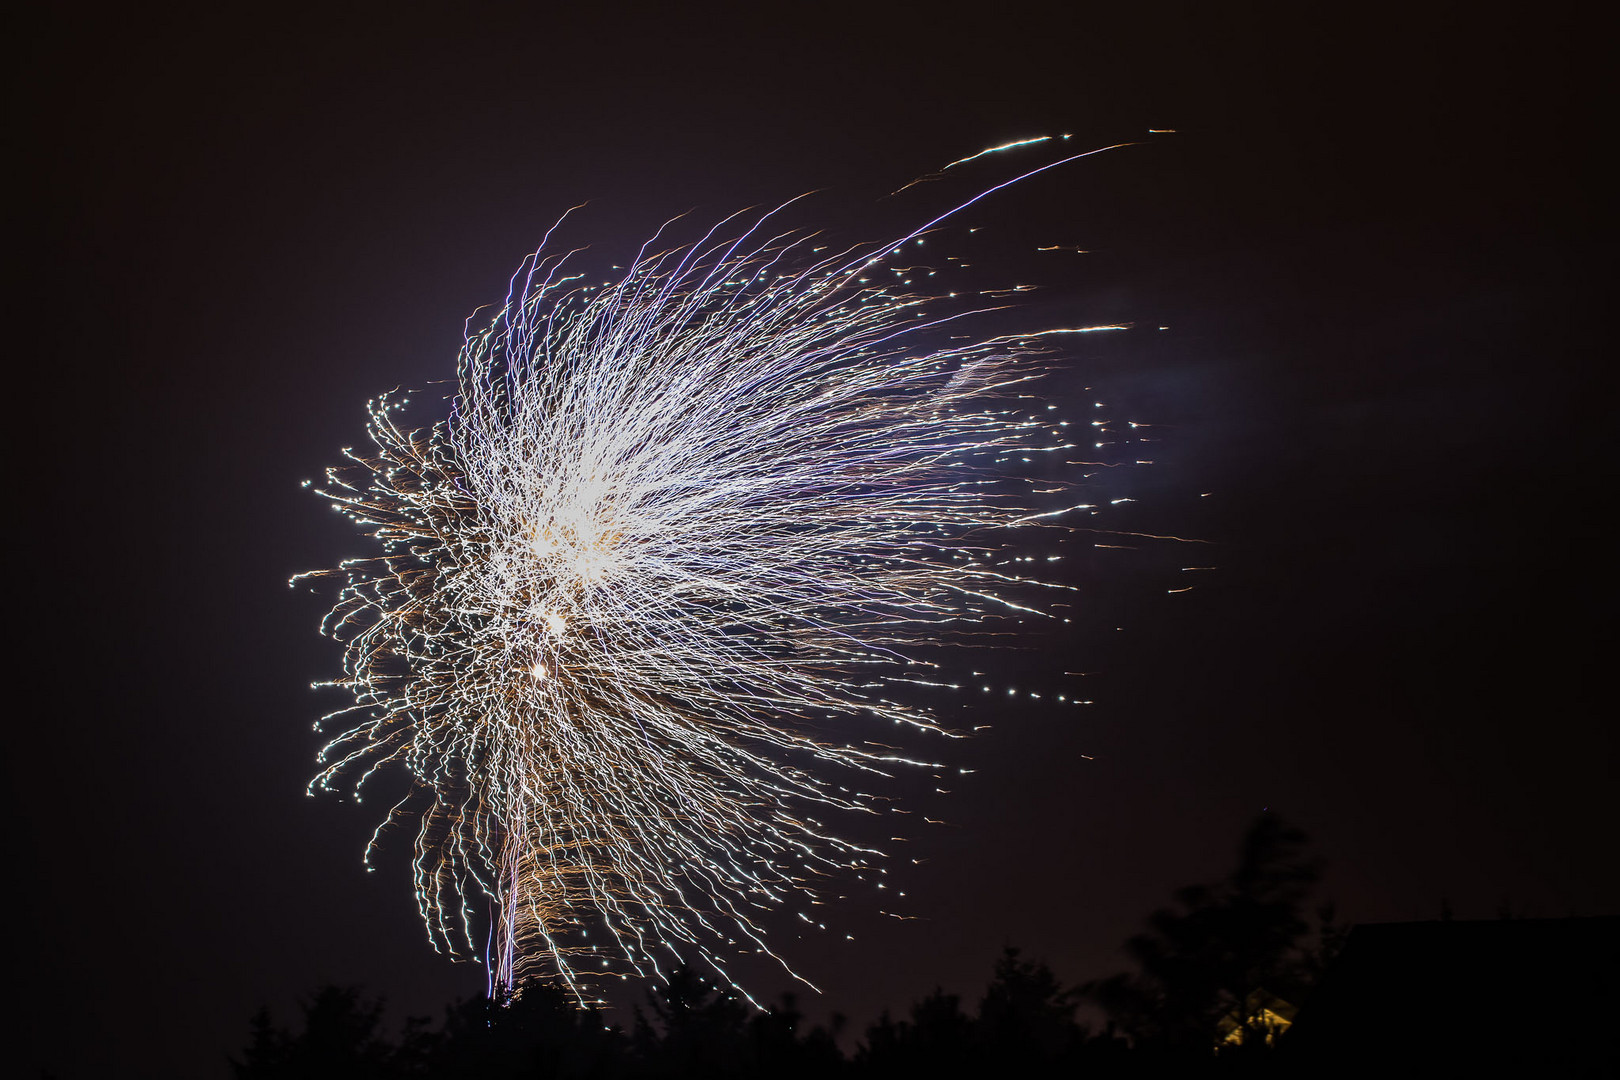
<point x="645" y="597"/>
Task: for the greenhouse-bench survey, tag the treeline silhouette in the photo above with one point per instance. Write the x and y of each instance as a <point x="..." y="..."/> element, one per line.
<point x="1025" y="1022"/>
<point x="1216" y="980"/>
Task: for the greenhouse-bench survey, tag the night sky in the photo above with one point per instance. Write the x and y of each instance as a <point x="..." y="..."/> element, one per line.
<point x="1373" y="239"/>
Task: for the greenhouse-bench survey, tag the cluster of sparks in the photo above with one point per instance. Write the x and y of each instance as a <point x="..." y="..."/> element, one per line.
<point x="644" y="596"/>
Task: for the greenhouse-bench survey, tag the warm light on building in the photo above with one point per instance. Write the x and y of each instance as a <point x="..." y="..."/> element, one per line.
<point x="1263" y="1016"/>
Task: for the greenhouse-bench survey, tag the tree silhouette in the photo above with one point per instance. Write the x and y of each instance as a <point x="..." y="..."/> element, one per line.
<point x="696" y="1028"/>
<point x="938" y="1040"/>
<point x="1203" y="958"/>
<point x="1220" y="948"/>
<point x="1026" y="1015"/>
<point x="339" y="1040"/>
<point x="1025" y="1027"/>
<point x="777" y="1049"/>
<point x="541" y="1032"/>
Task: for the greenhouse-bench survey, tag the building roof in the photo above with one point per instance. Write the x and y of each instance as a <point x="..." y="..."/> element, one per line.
<point x="1542" y="992"/>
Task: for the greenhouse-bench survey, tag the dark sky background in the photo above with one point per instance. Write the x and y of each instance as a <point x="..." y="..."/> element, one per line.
<point x="1374" y="239"/>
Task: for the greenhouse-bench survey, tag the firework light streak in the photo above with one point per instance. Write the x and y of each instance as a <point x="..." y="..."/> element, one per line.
<point x="644" y="594"/>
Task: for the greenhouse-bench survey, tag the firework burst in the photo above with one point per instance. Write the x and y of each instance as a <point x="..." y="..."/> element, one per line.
<point x="643" y="596"/>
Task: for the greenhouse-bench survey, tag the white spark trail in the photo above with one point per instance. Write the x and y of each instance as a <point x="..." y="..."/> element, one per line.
<point x="642" y="595"/>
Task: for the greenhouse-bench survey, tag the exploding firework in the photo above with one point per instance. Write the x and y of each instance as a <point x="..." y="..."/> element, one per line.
<point x="644" y="594"/>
